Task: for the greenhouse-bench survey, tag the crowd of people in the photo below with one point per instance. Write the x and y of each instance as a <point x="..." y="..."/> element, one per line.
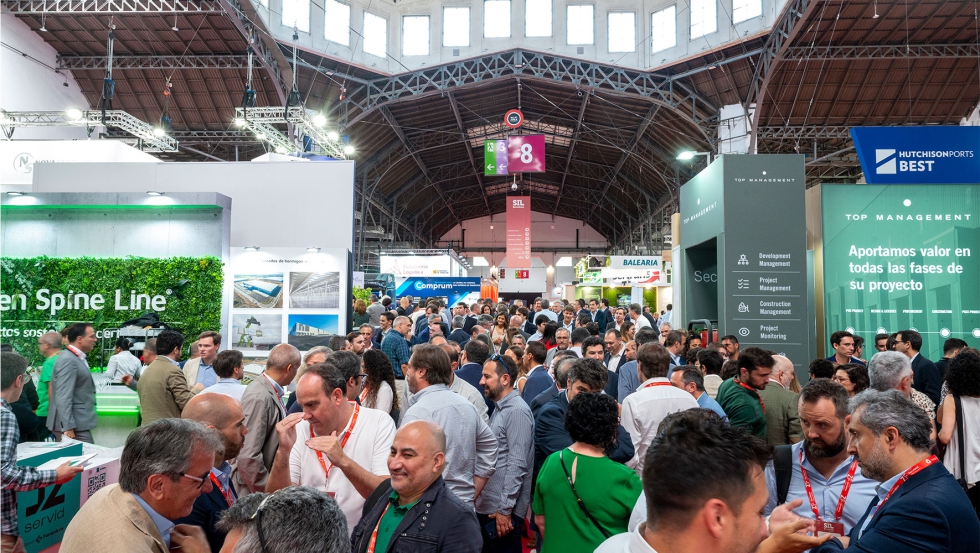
<point x="497" y="427"/>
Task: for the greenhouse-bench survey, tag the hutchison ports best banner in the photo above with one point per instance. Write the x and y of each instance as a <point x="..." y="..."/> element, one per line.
<point x="518" y="232"/>
<point x="903" y="256"/>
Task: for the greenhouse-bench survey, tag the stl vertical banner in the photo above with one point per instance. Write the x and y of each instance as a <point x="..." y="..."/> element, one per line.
<point x="518" y="232"/>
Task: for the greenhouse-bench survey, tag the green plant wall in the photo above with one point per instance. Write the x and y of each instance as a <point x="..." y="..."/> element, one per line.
<point x="191" y="286"/>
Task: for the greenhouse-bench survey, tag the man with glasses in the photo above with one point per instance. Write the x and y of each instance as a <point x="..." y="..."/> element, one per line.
<point x="165" y="466"/>
<point x="291" y="520"/>
<point x="472" y="447"/>
<point x="564" y="341"/>
<point x="335" y="445"/>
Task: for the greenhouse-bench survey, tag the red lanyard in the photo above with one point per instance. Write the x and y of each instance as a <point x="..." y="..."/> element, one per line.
<point x="76" y="351"/>
<point x="343" y="441"/>
<point x="756" y="392"/>
<point x="656" y="384"/>
<point x="374" y="536"/>
<point x="363" y="397"/>
<point x="912" y="471"/>
<point x="843" y="493"/>
<point x="224" y="492"/>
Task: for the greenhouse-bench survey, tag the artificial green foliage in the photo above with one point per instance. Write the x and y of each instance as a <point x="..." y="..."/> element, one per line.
<point x="191" y="307"/>
<point x="361" y="293"/>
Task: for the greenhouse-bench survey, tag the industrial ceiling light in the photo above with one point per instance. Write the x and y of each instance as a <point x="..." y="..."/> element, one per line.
<point x="240" y="122"/>
<point x="158" y="132"/>
<point x="281" y="150"/>
<point x="74" y="114"/>
<point x="319" y="120"/>
<point x="313" y="250"/>
<point x="43" y="29"/>
<point x="154" y="193"/>
<point x="260" y="136"/>
<point x="332" y="135"/>
<point x="348" y="149"/>
<point x="251" y="248"/>
<point x="686" y="155"/>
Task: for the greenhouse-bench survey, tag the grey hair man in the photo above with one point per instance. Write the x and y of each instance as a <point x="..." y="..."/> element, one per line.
<point x="165" y="466"/>
<point x="920" y="505"/>
<point x="559" y="367"/>
<point x="298" y="519"/>
<point x="891" y="370"/>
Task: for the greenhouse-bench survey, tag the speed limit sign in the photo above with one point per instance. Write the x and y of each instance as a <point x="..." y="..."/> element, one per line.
<point x="514" y="118"/>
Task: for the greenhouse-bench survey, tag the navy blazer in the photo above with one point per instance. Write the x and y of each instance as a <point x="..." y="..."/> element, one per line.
<point x="926" y="378"/>
<point x="473" y="373"/>
<point x="929" y="513"/>
<point x="538" y="382"/>
<point x="550" y="434"/>
<point x="207" y="511"/>
<point x="460" y="336"/>
<point x="543" y="398"/>
<point x="468" y="324"/>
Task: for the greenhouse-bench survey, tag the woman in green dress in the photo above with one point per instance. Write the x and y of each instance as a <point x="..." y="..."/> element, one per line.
<point x="581" y="475"/>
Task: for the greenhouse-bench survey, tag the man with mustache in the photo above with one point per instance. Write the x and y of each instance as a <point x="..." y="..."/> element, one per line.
<point x="821" y="465"/>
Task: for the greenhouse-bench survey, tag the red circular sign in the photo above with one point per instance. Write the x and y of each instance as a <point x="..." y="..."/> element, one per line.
<point x="514" y="118"/>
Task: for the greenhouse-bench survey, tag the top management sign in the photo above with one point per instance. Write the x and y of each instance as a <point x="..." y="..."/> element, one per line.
<point x="918" y="155"/>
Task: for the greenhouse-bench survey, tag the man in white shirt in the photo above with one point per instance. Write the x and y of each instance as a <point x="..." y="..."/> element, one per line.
<point x="334" y="437"/>
<point x="619" y="317"/>
<point x="636" y="315"/>
<point x="229" y="367"/>
<point x="615" y="348"/>
<point x="541" y="308"/>
<point x="540" y="321"/>
<point x="645" y="409"/>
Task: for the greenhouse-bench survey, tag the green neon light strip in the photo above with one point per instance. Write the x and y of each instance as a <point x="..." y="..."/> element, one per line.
<point x="113" y="207"/>
<point x="117" y="410"/>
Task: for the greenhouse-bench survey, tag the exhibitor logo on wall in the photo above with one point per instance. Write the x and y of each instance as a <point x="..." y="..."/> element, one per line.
<point x="918" y="155"/>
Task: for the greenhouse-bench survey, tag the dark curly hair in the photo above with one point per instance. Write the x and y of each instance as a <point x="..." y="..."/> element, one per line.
<point x="593" y="418"/>
<point x="963" y="373"/>
<point x="378" y="368"/>
<point x="858" y="375"/>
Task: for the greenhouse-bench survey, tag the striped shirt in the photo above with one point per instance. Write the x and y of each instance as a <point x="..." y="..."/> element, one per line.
<point x="509" y="489"/>
<point x="14" y="478"/>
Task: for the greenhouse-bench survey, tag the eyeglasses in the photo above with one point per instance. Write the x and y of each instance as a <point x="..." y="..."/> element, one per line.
<point x="200" y="481"/>
<point x="497" y="358"/>
<point x="362" y="376"/>
<point x="257" y="517"/>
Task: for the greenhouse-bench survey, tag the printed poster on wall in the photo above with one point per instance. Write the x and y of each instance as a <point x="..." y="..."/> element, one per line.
<point x="518" y="232"/>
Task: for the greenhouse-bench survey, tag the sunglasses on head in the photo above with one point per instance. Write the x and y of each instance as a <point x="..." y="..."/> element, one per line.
<point x="497" y="358"/>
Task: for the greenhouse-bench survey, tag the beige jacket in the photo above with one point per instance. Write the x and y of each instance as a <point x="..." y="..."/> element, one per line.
<point x="112" y="520"/>
<point x="163" y="391"/>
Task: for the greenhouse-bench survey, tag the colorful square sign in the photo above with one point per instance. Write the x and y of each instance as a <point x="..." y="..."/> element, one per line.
<point x="525" y="153"/>
<point x="495" y="157"/>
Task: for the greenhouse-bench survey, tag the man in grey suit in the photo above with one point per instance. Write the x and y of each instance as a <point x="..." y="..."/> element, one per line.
<point x="71" y="408"/>
<point x="263" y="406"/>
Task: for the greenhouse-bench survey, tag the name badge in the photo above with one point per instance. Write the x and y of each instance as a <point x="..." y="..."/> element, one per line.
<point x="832" y="528"/>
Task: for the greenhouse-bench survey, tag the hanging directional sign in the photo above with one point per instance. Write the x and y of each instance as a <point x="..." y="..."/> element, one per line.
<point x="495" y="157"/>
<point x="514" y="118"/>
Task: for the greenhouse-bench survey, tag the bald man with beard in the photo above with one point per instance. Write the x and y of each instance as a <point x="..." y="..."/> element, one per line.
<point x="224" y="414"/>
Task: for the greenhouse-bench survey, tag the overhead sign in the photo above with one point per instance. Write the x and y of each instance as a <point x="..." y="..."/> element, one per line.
<point x="518" y="231"/>
<point x="900" y="257"/>
<point x="454" y="289"/>
<point x="918" y="155"/>
<point x="514" y="118"/>
<point x="417" y="265"/>
<point x="634" y="262"/>
<point x="525" y="154"/>
<point x="495" y="157"/>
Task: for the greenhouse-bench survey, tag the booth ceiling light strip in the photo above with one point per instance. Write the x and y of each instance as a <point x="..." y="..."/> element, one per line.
<point x="152" y="142"/>
<point x="261" y="119"/>
<point x="50" y="7"/>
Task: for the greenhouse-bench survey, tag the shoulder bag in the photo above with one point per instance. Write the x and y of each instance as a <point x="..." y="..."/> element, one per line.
<point x="578" y="499"/>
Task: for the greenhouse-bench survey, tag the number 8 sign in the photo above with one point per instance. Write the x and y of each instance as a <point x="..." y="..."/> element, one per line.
<point x="525" y="154"/>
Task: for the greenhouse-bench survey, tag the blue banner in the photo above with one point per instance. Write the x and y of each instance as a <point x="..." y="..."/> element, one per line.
<point x="918" y="155"/>
<point x="452" y="288"/>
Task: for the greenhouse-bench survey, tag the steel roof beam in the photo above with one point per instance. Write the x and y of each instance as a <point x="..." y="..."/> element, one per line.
<point x="805" y="132"/>
<point x="272" y="61"/>
<point x="901" y="51"/>
<point x="112" y="7"/>
<point x="571" y="146"/>
<point x="150" y="61"/>
<point x="469" y="150"/>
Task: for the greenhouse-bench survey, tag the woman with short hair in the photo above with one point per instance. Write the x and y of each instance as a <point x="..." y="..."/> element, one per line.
<point x="853" y="377"/>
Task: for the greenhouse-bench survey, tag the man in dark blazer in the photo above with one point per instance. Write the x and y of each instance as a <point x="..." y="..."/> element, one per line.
<point x="224" y="414"/>
<point x="470" y="369"/>
<point x="920" y="507"/>
<point x="71" y="407"/>
<point x="459" y="334"/>
<point x="925" y="375"/>
<point x="560" y="364"/>
<point x="538" y="379"/>
<point x="597" y="315"/>
<point x="430" y="517"/>
<point x="584" y="375"/>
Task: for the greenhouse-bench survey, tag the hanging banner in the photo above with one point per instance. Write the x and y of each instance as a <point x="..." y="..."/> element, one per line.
<point x="494" y="157"/>
<point x="918" y="155"/>
<point x="518" y="232"/>
<point x="525" y="153"/>
<point x="453" y="289"/>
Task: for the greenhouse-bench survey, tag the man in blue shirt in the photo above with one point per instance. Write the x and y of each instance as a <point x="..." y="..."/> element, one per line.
<point x="690" y="379"/>
<point x="825" y="461"/>
<point x="395" y="345"/>
<point x="843" y="343"/>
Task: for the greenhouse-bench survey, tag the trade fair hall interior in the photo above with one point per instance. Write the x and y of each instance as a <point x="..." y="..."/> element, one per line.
<point x="548" y="276"/>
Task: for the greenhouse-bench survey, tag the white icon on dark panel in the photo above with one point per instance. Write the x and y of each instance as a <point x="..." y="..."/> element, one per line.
<point x="743" y="332"/>
<point x="742" y="260"/>
<point x="742" y="308"/>
<point x="743" y="284"/>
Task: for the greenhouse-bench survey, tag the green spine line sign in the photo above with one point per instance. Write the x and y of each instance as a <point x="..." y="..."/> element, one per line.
<point x="39" y="294"/>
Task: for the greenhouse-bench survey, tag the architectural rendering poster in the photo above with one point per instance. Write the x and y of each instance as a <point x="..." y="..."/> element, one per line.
<point x="902" y="257"/>
<point x="307" y="331"/>
<point x="255" y="332"/>
<point x="258" y="291"/>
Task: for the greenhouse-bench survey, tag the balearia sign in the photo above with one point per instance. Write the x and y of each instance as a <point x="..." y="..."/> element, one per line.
<point x="634" y="262"/>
